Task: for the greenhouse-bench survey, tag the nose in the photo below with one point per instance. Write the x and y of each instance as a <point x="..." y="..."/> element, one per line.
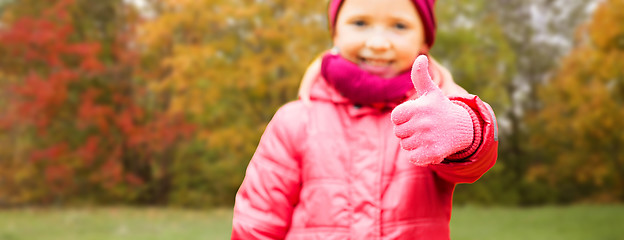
<point x="378" y="42"/>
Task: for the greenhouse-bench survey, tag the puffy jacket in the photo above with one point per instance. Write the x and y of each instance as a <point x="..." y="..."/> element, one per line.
<point x="331" y="170"/>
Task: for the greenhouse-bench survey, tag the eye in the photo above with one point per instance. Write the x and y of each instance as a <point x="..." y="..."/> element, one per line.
<point x="400" y="26"/>
<point x="359" y="23"/>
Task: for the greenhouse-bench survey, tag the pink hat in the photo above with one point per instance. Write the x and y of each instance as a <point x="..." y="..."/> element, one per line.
<point x="424" y="8"/>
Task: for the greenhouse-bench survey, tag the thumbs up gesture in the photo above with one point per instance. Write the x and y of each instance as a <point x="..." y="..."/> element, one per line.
<point x="431" y="127"/>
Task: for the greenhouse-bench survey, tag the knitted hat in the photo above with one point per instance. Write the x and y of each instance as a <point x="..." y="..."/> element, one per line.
<point x="424" y="8"/>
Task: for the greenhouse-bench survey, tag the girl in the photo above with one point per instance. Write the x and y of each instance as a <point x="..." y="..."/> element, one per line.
<point x="345" y="162"/>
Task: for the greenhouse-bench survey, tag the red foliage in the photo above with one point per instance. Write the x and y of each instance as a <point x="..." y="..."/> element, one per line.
<point x="91" y="113"/>
<point x="101" y="126"/>
<point x="87" y="152"/>
<point x="53" y="152"/>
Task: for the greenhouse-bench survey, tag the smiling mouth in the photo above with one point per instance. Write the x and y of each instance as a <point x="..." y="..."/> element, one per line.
<point x="375" y="62"/>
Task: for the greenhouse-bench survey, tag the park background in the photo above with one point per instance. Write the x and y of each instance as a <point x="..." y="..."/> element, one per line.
<point x="157" y="106"/>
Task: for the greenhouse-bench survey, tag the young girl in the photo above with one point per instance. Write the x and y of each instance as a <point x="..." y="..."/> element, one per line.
<point x="353" y="159"/>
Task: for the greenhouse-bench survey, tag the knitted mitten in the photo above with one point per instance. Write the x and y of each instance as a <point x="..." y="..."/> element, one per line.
<point x="431" y="127"/>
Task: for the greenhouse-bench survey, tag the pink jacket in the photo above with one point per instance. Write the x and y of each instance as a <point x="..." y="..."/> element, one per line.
<point x="331" y="170"/>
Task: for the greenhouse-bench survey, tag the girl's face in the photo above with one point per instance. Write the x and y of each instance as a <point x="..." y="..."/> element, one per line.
<point x="382" y="36"/>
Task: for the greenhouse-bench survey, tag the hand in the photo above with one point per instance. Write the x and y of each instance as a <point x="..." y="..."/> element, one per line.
<point x="431" y="127"/>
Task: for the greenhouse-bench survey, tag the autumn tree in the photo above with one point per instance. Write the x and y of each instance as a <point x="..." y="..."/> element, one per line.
<point x="74" y="126"/>
<point x="227" y="66"/>
<point x="501" y="51"/>
<point x="579" y="133"/>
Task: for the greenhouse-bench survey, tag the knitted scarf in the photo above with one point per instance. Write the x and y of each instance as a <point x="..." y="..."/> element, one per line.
<point x="362" y="87"/>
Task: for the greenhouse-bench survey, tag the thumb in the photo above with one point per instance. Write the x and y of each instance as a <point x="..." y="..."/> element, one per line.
<point x="421" y="78"/>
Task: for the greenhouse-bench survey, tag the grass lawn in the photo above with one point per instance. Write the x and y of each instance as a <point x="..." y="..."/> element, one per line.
<point x="552" y="223"/>
<point x="114" y="223"/>
<point x="574" y="222"/>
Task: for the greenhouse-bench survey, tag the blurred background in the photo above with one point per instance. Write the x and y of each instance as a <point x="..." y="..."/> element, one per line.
<point x="163" y="102"/>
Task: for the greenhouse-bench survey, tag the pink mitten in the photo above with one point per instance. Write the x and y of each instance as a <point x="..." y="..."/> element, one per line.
<point x="431" y="127"/>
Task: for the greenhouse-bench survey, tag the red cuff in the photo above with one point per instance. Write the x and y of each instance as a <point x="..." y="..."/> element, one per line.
<point x="476" y="141"/>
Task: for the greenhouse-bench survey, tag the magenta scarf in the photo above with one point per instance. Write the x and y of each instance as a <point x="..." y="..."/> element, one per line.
<point x="362" y="87"/>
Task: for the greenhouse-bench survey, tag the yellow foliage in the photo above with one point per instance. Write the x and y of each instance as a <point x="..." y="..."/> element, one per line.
<point x="227" y="66"/>
<point x="604" y="27"/>
<point x="583" y="107"/>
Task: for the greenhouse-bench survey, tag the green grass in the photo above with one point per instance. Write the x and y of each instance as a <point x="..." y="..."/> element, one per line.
<point x="114" y="223"/>
<point x="574" y="222"/>
<point x="566" y="223"/>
